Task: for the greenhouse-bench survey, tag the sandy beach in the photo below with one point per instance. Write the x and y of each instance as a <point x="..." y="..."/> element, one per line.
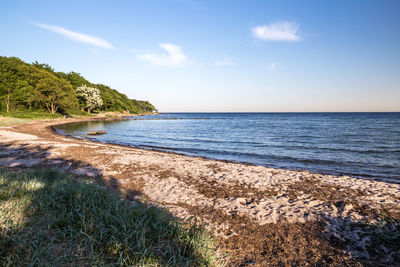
<point x="260" y="216"/>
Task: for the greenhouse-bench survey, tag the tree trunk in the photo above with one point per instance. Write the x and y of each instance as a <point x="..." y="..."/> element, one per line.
<point x="89" y="110"/>
<point x="8" y="100"/>
<point x="53" y="108"/>
<point x="48" y="108"/>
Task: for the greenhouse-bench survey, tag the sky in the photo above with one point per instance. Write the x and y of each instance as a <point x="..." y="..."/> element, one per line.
<point x="219" y="56"/>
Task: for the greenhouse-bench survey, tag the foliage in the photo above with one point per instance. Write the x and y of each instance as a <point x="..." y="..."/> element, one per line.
<point x="52" y="219"/>
<point x="37" y="87"/>
<point x="91" y="97"/>
<point x="14" y="91"/>
<point x="54" y="93"/>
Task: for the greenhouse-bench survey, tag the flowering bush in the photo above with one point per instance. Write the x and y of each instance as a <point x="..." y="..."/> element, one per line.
<point x="91" y="96"/>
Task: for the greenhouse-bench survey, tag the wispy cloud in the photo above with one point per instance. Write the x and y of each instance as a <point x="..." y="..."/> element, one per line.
<point x="272" y="66"/>
<point x="174" y="57"/>
<point x="76" y="36"/>
<point x="224" y="62"/>
<point x="279" y="31"/>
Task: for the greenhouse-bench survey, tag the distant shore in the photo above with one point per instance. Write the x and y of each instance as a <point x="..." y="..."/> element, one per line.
<point x="260" y="215"/>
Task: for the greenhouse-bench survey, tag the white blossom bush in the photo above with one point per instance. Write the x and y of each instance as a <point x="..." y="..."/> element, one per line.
<point x="91" y="96"/>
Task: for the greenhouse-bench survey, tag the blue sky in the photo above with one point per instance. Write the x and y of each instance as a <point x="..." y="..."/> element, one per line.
<point x="217" y="56"/>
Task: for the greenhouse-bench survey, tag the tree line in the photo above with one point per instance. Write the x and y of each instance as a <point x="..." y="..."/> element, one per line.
<point x="37" y="87"/>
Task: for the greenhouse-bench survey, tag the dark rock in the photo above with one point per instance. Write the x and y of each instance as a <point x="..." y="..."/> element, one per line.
<point x="339" y="204"/>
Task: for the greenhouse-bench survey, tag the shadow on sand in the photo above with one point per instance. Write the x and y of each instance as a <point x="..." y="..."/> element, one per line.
<point x="51" y="216"/>
<point x="51" y="213"/>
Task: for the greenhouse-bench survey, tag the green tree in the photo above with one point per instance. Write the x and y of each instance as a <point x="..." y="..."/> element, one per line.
<point x="38" y="87"/>
<point x="43" y="66"/>
<point x="8" y="79"/>
<point x="54" y="93"/>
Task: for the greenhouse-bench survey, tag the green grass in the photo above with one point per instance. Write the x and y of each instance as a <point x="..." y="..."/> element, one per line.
<point x="14" y="118"/>
<point x="8" y="121"/>
<point x="48" y="218"/>
<point x="31" y="115"/>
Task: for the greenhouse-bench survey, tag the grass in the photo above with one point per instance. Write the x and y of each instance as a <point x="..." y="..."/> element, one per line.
<point x="49" y="218"/>
<point x="8" y="121"/>
<point x="14" y="118"/>
<point x="31" y="115"/>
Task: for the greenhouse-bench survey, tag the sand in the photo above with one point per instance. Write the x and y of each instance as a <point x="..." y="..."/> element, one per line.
<point x="245" y="207"/>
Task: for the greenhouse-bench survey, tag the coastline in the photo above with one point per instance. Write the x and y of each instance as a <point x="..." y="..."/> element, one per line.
<point x="354" y="153"/>
<point x="248" y="208"/>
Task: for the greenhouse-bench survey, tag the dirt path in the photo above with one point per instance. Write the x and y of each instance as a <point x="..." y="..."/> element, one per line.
<point x="260" y="216"/>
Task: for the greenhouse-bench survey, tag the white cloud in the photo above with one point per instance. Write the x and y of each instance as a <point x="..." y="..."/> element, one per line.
<point x="174" y="57"/>
<point x="272" y="66"/>
<point x="279" y="31"/>
<point x="224" y="62"/>
<point x="76" y="36"/>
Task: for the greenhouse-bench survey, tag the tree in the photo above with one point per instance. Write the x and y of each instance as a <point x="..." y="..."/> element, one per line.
<point x="23" y="87"/>
<point x="43" y="66"/>
<point x="54" y="93"/>
<point x="91" y="97"/>
<point x="8" y="79"/>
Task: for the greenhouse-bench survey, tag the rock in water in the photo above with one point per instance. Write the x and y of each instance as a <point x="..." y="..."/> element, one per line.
<point x="96" y="133"/>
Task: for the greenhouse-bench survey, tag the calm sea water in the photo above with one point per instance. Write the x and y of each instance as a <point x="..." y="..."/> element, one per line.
<point x="356" y="144"/>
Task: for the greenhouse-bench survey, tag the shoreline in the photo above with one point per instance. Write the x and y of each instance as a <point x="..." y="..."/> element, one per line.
<point x="246" y="206"/>
<point x="165" y="150"/>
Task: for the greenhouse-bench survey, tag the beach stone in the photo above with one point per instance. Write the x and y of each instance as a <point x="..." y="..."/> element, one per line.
<point x="96" y="133"/>
<point x="339" y="204"/>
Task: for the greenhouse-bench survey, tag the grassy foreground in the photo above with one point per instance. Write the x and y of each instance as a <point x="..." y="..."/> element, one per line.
<point x="49" y="218"/>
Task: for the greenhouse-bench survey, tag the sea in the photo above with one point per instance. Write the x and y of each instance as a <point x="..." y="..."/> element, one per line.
<point x="353" y="144"/>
